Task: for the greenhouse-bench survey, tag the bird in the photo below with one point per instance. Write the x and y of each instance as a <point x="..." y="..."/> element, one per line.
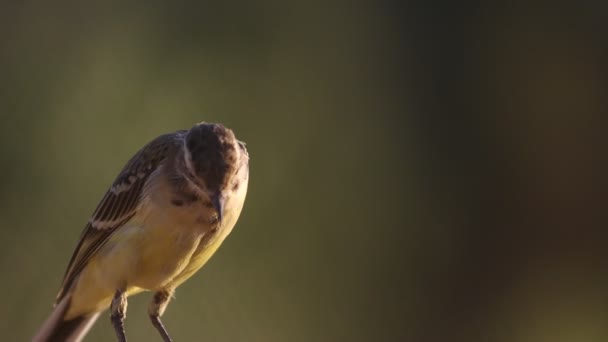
<point x="164" y="216"/>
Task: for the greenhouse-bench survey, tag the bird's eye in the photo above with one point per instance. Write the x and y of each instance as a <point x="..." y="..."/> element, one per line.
<point x="192" y="197"/>
<point x="191" y="144"/>
<point x="177" y="202"/>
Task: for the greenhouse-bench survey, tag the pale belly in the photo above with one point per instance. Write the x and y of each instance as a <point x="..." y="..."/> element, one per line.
<point x="146" y="257"/>
<point x="137" y="257"/>
<point x="159" y="248"/>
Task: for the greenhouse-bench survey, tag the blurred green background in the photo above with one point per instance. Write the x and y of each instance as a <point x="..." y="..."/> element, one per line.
<point x="420" y="171"/>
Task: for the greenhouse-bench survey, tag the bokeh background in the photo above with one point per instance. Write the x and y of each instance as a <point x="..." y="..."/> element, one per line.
<point x="420" y="171"/>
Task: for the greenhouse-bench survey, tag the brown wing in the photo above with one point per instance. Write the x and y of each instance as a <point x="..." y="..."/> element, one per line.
<point x="119" y="203"/>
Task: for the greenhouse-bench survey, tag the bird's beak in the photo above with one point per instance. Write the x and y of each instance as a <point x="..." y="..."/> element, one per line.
<point x="218" y="201"/>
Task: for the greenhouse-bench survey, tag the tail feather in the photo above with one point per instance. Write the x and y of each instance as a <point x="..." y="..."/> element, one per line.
<point x="56" y="329"/>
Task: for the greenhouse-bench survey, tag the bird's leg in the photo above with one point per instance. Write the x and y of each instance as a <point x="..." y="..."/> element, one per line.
<point x="157" y="308"/>
<point x="118" y="312"/>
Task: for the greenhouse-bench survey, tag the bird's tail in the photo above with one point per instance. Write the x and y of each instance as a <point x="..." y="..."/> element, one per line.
<point x="57" y="329"/>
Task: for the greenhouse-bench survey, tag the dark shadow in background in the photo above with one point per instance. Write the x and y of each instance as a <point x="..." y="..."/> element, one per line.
<point x="514" y="158"/>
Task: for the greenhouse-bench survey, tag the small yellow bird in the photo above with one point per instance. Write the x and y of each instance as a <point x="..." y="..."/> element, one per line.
<point x="165" y="215"/>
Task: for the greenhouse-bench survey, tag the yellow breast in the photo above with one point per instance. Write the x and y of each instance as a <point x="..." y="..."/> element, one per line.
<point x="159" y="248"/>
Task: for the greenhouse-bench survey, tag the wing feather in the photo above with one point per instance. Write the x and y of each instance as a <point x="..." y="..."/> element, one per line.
<point x="119" y="203"/>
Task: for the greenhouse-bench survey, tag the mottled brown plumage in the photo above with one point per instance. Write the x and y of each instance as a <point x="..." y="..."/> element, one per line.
<point x="119" y="203"/>
<point x="179" y="186"/>
<point x="213" y="154"/>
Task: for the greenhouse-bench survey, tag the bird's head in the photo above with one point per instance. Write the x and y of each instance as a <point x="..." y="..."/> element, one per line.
<point x="213" y="156"/>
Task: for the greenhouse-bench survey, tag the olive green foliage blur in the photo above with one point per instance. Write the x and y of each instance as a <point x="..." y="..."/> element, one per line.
<point x="85" y="86"/>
